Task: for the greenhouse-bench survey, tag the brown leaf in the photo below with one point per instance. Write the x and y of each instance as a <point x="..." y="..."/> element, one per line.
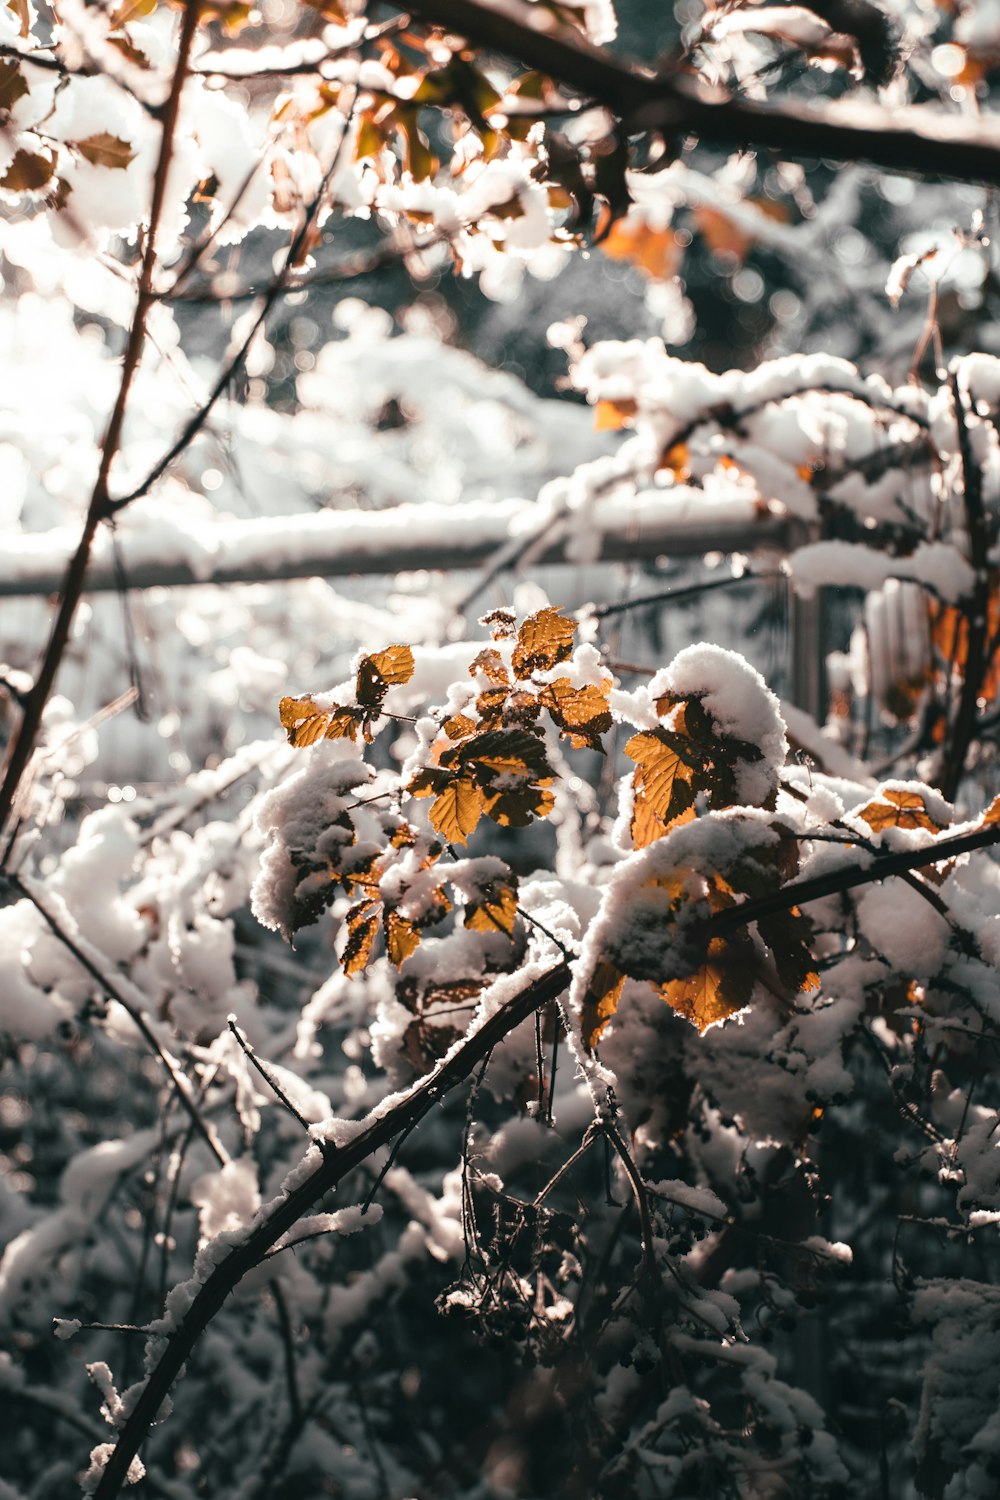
<point x="544" y="639"/>
<point x="380" y="671"/>
<point x="106" y="150"/>
<point x="12" y="86"/>
<point x="600" y="1003"/>
<point x="992" y="813"/>
<point x="456" y="813"/>
<point x="787" y="934"/>
<point x="362" y="922"/>
<point x="898" y="810"/>
<point x="516" y="809"/>
<point x="29" y="172"/>
<point x="306" y="723"/>
<point x="23" y="14"/>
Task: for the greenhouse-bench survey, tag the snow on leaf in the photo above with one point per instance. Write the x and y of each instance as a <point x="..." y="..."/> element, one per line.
<point x="600" y="1001"/>
<point x="362" y="922"/>
<point x="459" y="726"/>
<point x="544" y="640"/>
<point x="491" y="664"/>
<point x="306" y="722"/>
<point x="106" y="150"/>
<point x="401" y="938"/>
<point x="581" y="714"/>
<point x="22" y="11"/>
<point x="456" y="813"/>
<point x="898" y="809"/>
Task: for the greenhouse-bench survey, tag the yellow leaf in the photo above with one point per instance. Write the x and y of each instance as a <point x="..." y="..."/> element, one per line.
<point x="675" y="462"/>
<point x="898" y="810"/>
<point x="456" y="812"/>
<point x="362" y="923"/>
<point x="601" y="1001"/>
<point x="495" y="911"/>
<point x="544" y="639"/>
<point x="663" y="787"/>
<point x="610" y="416"/>
<point x="132" y="10"/>
<point x="401" y="938"/>
<point x="106" y="150"/>
<point x="306" y="723"/>
<point x="992" y="813"/>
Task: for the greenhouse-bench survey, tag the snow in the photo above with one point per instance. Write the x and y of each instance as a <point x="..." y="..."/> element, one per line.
<point x="939" y="566"/>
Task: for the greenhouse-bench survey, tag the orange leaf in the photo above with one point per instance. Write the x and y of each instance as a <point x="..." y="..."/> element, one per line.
<point x="898" y="810"/>
<point x="544" y="639"/>
<point x="657" y="253"/>
<point x="600" y="1003"/>
<point x="362" y="923"/>
<point x="580" y="714"/>
<point x="401" y="938"/>
<point x="723" y="236"/>
<point x="495" y="911"/>
<point x="456" y="812"/>
<point x="609" y="416"/>
<point x="719" y="988"/>
<point x="382" y="670"/>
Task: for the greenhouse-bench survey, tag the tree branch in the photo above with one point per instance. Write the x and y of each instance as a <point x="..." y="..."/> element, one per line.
<point x="23" y="742"/>
<point x="920" y="140"/>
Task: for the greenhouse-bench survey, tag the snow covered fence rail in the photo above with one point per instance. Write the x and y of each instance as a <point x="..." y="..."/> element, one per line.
<point x="157" y="552"/>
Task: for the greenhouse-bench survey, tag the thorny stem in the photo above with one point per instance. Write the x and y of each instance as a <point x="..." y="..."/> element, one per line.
<point x="24" y="740"/>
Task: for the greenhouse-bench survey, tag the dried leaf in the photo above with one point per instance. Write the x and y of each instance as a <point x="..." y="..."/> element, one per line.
<point x="401" y="938"/>
<point x="718" y="988"/>
<point x="12" y="85"/>
<point x="544" y="639"/>
<point x="306" y="723"/>
<point x="495" y="910"/>
<point x="23" y="14"/>
<point x="898" y="810"/>
<point x="581" y="714"/>
<point x="28" y="172"/>
<point x="456" y="813"/>
<point x="362" y="922"/>
<point x="490" y="662"/>
<point x="516" y="809"/>
<point x="600" y="1001"/>
<point x="106" y="150"/>
<point x="992" y="814"/>
<point x="380" y="671"/>
<point x="724" y="237"/>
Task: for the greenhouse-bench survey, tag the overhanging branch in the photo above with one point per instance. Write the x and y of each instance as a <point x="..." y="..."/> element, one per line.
<point x="921" y="140"/>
